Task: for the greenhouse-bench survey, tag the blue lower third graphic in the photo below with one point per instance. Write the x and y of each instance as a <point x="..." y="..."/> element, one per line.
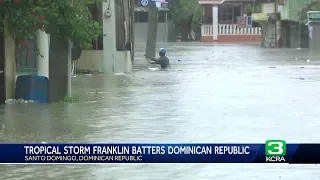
<point x="154" y="153"/>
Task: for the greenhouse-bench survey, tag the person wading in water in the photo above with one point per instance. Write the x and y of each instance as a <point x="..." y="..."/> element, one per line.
<point x="163" y="60"/>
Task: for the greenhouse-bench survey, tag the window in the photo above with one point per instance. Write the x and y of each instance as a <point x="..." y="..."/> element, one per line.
<point x="225" y="15"/>
<point x="162" y="16"/>
<point x="257" y="8"/>
<point x="207" y="14"/>
<point x="141" y="16"/>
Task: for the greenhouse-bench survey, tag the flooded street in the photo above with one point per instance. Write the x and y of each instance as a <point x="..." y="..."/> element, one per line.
<point x="211" y="94"/>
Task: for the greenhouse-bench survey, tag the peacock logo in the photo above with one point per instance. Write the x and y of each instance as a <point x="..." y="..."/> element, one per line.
<point x="144" y="2"/>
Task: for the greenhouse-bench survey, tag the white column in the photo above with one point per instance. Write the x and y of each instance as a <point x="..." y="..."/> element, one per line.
<point x="215" y="22"/>
<point x="43" y="56"/>
<point x="109" y="39"/>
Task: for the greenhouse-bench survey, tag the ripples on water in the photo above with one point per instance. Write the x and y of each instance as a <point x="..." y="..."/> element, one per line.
<point x="213" y="94"/>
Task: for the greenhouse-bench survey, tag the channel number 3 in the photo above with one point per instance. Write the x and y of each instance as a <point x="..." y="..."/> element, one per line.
<point x="277" y="148"/>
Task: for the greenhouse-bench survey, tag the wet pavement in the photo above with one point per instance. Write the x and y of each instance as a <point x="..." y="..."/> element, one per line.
<point x="212" y="94"/>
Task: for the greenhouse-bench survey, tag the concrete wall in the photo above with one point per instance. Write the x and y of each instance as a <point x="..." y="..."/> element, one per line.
<point x="109" y="38"/>
<point x="90" y="60"/>
<point x="290" y="10"/>
<point x="294" y="36"/>
<point x="268" y="35"/>
<point x="58" y="68"/>
<point x="2" y="65"/>
<point x="315" y="41"/>
<point x="123" y="62"/>
<point x="171" y="31"/>
<point x="141" y="31"/>
<point x="10" y="63"/>
<point x="298" y="38"/>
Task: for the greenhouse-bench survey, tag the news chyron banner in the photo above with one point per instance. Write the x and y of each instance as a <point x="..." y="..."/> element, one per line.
<point x="273" y="151"/>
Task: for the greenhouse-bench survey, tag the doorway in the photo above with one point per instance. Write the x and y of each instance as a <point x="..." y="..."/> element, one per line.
<point x="2" y="65"/>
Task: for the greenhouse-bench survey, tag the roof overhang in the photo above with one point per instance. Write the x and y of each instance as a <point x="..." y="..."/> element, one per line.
<point x="146" y="9"/>
<point x="211" y="1"/>
<point x="221" y="1"/>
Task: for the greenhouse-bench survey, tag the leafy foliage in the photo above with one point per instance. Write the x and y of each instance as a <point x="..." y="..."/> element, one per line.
<point x="73" y="99"/>
<point x="249" y="10"/>
<point x="182" y="9"/>
<point x="68" y="18"/>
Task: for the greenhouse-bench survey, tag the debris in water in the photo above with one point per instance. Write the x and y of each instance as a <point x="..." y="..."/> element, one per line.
<point x="154" y="69"/>
<point x="308" y="60"/>
<point x="10" y="101"/>
<point x="119" y="74"/>
<point x="19" y="101"/>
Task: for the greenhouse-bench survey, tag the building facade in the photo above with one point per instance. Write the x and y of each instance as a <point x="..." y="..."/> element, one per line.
<point x="220" y="22"/>
<point x="294" y="32"/>
<point x="266" y="13"/>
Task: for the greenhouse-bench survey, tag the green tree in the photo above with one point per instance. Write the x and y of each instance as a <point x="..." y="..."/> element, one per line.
<point x="183" y="9"/>
<point x="68" y="18"/>
<point x="249" y="10"/>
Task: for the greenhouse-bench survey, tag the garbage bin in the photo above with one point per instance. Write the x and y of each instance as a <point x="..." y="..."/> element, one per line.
<point x="32" y="87"/>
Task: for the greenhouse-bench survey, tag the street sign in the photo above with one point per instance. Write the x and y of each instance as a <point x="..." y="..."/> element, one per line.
<point x="313" y="16"/>
<point x="164" y="5"/>
<point x="159" y="3"/>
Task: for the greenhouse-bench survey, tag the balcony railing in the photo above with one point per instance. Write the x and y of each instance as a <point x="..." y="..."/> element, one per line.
<point x="230" y="29"/>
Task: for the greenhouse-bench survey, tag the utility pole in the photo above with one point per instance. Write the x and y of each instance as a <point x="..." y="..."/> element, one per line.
<point x="299" y="24"/>
<point x="152" y="31"/>
<point x="275" y="22"/>
<point x="132" y="26"/>
<point x="69" y="86"/>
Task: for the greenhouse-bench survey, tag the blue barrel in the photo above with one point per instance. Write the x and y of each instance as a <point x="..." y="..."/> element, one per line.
<point x="32" y="87"/>
<point x="249" y="20"/>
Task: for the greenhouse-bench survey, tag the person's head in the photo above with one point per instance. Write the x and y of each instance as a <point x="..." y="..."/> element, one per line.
<point x="162" y="52"/>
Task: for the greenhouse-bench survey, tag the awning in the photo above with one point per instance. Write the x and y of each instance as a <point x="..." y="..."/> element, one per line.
<point x="145" y="9"/>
